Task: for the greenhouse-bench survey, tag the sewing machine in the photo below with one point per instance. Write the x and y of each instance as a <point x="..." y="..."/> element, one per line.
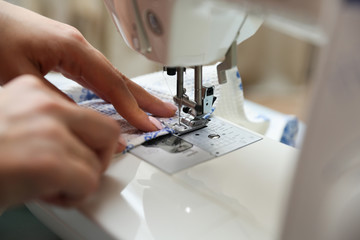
<point x="190" y="34"/>
<point x="187" y="33"/>
<point x="245" y="193"/>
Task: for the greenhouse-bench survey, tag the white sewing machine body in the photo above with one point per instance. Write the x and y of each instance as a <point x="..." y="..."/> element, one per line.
<point x="240" y="195"/>
<point x="177" y="33"/>
<point x="186" y="33"/>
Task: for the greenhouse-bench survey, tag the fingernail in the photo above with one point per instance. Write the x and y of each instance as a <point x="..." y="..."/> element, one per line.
<point x="122" y="141"/>
<point x="171" y="106"/>
<point x="120" y="148"/>
<point x="156" y="123"/>
<point x="122" y="144"/>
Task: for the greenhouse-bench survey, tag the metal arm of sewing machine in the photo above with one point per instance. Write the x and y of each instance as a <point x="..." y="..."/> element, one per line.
<point x="204" y="97"/>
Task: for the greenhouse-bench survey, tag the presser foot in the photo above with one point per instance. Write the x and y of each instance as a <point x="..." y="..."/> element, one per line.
<point x="186" y="125"/>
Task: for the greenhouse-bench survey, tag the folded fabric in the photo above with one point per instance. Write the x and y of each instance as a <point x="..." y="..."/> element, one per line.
<point x="231" y="104"/>
<point x="130" y="134"/>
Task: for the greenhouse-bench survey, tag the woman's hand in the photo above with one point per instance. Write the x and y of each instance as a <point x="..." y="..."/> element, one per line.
<point x="33" y="44"/>
<point x="50" y="148"/>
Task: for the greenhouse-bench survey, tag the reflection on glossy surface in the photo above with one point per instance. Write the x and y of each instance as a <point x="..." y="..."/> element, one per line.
<point x="226" y="198"/>
<point x="175" y="211"/>
<point x="240" y="195"/>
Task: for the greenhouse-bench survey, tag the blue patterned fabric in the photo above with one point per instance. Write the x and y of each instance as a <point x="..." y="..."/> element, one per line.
<point x="285" y="130"/>
<point x="130" y="134"/>
<point x="290" y="131"/>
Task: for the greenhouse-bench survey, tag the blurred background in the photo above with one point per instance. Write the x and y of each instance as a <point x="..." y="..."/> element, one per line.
<point x="275" y="66"/>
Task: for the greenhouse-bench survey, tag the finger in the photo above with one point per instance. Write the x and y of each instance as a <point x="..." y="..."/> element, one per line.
<point x="55" y="89"/>
<point x="77" y="146"/>
<point x="78" y="176"/>
<point x="50" y="85"/>
<point x="105" y="80"/>
<point x="58" y="140"/>
<point x="28" y="68"/>
<point x="74" y="190"/>
<point x="95" y="130"/>
<point x="62" y="163"/>
<point x="121" y="144"/>
<point x="149" y="102"/>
